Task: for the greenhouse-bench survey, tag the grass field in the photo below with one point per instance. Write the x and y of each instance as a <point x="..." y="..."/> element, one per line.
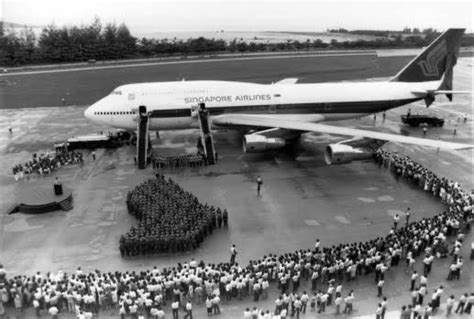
<point x="86" y="87"/>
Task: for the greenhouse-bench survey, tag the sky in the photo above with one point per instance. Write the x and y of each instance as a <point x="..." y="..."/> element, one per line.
<point x="245" y="15"/>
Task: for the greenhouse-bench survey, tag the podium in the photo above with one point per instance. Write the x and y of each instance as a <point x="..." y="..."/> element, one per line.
<point x="58" y="189"/>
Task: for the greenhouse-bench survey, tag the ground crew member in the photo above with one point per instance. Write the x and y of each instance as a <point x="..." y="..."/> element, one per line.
<point x="259" y="185"/>
<point x="407" y="216"/>
<point x="93" y="155"/>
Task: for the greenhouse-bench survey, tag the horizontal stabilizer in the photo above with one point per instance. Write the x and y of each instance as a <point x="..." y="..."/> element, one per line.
<point x="452" y="92"/>
<point x="435" y="92"/>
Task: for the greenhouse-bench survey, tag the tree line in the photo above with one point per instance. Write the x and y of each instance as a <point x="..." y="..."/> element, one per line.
<point x="387" y="33"/>
<point x="96" y="42"/>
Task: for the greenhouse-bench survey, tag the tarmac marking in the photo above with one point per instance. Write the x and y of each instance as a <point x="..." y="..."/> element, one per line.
<point x="445" y="162"/>
<point x="186" y="62"/>
<point x="342" y="220"/>
<point x="385" y="198"/>
<point x="366" y="200"/>
<point x="371" y="188"/>
<point x="311" y="222"/>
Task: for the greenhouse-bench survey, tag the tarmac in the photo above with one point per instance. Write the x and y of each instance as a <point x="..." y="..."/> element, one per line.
<point x="302" y="198"/>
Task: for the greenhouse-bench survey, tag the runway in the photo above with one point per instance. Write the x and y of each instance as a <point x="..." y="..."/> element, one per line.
<point x="186" y="61"/>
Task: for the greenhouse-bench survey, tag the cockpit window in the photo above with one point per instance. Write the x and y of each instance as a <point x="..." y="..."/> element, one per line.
<point x="116" y="92"/>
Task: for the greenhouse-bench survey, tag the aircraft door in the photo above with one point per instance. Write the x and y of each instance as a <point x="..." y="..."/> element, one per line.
<point x="194" y="111"/>
<point x="275" y="100"/>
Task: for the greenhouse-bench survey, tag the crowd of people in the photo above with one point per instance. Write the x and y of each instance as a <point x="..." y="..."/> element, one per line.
<point x="177" y="161"/>
<point x="165" y="225"/>
<point x="429" y="237"/>
<point x="46" y="163"/>
<point x="170" y="219"/>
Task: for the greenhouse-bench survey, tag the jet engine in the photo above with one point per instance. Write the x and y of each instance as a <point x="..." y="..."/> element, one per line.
<point x="336" y="154"/>
<point x="354" y="149"/>
<point x="255" y="143"/>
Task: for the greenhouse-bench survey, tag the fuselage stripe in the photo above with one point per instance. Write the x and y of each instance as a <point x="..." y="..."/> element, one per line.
<point x="363" y="107"/>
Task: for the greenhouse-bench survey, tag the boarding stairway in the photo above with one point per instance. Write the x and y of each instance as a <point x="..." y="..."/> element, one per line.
<point x="66" y="205"/>
<point x="206" y="136"/>
<point x="143" y="124"/>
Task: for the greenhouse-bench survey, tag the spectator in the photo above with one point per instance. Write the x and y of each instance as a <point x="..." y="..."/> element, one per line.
<point x="378" y="311"/>
<point x="189" y="310"/>
<point x="449" y="305"/>
<point x="461" y="304"/>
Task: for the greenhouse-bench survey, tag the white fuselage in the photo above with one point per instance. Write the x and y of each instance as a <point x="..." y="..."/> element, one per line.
<point x="170" y="103"/>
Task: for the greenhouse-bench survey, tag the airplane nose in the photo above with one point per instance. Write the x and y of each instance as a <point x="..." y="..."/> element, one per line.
<point x="89" y="112"/>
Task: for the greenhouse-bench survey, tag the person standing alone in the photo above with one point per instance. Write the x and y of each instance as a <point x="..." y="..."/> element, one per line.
<point x="233" y="254"/>
<point x="259" y="185"/>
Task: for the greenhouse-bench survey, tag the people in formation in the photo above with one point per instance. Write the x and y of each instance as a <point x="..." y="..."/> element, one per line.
<point x="170" y="219"/>
<point x="305" y="280"/>
<point x="178" y="161"/>
<point x="46" y="163"/>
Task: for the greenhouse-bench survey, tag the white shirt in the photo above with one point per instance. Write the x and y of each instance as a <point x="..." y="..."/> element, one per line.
<point x="53" y="311"/>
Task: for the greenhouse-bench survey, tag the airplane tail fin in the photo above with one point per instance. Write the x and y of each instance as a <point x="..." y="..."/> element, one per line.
<point x="434" y="61"/>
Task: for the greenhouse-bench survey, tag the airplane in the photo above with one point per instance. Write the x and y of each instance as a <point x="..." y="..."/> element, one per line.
<point x="275" y="114"/>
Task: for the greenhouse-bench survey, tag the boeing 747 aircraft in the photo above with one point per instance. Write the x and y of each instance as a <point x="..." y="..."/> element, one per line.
<point x="280" y="112"/>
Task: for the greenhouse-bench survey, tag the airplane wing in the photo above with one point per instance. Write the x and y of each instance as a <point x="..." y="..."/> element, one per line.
<point x="249" y="120"/>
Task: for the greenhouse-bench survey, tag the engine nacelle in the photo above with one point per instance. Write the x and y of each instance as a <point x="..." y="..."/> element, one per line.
<point x="336" y="154"/>
<point x="255" y="143"/>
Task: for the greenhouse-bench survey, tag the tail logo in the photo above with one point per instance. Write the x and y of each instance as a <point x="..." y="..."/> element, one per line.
<point x="429" y="66"/>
